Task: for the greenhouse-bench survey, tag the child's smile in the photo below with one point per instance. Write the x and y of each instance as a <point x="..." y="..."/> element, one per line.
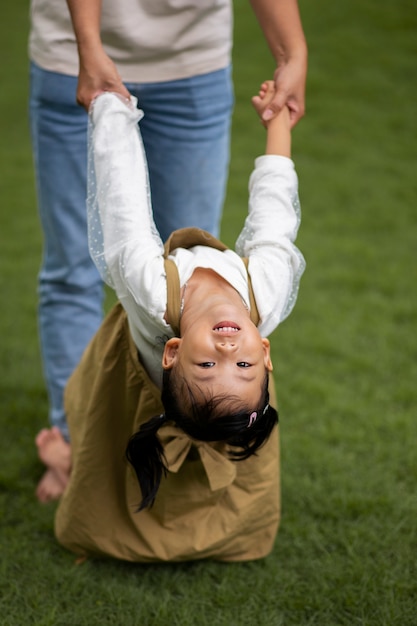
<point x="226" y="328"/>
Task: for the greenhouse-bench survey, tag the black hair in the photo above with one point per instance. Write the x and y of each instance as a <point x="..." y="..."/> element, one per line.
<point x="207" y="419"/>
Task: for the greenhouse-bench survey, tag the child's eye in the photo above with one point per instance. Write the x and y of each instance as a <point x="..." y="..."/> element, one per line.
<point x="243" y="364"/>
<point x="207" y="364"/>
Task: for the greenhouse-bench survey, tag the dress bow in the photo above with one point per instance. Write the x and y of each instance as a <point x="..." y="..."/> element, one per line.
<point x="220" y="470"/>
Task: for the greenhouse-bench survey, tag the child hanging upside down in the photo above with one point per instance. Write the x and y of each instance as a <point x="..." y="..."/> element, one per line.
<point x="176" y="380"/>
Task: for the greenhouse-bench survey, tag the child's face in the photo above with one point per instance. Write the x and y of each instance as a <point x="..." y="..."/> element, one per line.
<point x="222" y="355"/>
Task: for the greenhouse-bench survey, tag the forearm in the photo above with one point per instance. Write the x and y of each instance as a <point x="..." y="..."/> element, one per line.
<point x="122" y="233"/>
<point x="97" y="71"/>
<point x="274" y="212"/>
<point x="275" y="263"/>
<point x="281" y="24"/>
<point x="278" y="139"/>
<point x="85" y="16"/>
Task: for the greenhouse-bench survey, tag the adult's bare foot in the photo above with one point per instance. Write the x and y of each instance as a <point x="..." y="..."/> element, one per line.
<point x="55" y="453"/>
<point x="49" y="487"/>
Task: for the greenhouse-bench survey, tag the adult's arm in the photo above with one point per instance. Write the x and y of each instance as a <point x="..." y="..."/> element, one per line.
<point x="281" y="24"/>
<point x="97" y="72"/>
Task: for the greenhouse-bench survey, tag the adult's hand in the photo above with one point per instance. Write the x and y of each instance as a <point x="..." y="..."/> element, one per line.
<point x="97" y="73"/>
<point x="281" y="24"/>
<point x="289" y="79"/>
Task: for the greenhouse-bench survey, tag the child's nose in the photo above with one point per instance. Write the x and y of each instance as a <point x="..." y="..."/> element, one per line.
<point x="226" y="345"/>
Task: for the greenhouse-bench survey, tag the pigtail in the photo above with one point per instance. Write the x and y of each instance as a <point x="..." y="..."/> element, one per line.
<point x="146" y="455"/>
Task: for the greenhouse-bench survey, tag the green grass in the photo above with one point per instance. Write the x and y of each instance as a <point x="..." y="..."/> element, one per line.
<point x="345" y="361"/>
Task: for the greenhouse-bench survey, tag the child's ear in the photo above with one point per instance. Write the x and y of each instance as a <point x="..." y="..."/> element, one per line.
<point x="169" y="357"/>
<point x="267" y="355"/>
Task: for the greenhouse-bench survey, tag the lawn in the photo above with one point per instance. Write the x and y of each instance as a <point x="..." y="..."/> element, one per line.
<point x="345" y="362"/>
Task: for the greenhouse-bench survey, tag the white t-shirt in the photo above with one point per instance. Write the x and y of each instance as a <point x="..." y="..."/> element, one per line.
<point x="149" y="40"/>
<point x="128" y="251"/>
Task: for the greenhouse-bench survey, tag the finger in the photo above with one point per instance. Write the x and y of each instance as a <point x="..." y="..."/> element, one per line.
<point x="263" y="89"/>
<point x="86" y="100"/>
<point x="256" y="101"/>
<point x="296" y="112"/>
<point x="274" y="106"/>
<point x="123" y="91"/>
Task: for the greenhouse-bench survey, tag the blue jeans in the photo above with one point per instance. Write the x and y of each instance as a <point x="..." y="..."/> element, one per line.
<point x="185" y="131"/>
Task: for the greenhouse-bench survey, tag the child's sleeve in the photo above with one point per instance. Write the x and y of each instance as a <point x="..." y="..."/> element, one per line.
<point x="123" y="240"/>
<point x="275" y="263"/>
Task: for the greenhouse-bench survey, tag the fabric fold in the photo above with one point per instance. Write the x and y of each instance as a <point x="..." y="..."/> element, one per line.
<point x="220" y="471"/>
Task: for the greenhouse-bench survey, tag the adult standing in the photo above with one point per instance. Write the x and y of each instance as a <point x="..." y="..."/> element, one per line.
<point x="175" y="58"/>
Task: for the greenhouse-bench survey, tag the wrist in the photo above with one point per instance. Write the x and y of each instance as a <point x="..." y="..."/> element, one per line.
<point x="294" y="51"/>
<point x="88" y="45"/>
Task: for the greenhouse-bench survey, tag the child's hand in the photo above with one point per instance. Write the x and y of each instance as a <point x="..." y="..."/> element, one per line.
<point x="264" y="97"/>
<point x="278" y="140"/>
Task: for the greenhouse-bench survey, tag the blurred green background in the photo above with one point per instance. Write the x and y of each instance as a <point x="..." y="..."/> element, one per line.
<point x="345" y="361"/>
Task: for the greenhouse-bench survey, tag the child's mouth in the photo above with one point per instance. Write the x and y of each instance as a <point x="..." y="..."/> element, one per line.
<point x="226" y="327"/>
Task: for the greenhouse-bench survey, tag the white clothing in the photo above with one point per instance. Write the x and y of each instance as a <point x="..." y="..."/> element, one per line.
<point x="148" y="40"/>
<point x="128" y="251"/>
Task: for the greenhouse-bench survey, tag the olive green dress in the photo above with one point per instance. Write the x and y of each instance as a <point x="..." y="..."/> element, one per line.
<point x="207" y="505"/>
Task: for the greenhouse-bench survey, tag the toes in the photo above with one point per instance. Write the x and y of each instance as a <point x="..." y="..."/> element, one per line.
<point x="49" y="487"/>
<point x="46" y="435"/>
<point x="42" y="436"/>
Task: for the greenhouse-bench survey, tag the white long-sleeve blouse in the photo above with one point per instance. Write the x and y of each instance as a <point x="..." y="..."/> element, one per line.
<point x="128" y="250"/>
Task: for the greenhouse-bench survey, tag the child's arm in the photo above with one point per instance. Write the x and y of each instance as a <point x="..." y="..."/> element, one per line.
<point x="267" y="239"/>
<point x="123" y="239"/>
<point x="278" y="139"/>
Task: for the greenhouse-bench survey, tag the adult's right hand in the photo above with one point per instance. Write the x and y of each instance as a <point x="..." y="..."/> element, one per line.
<point x="97" y="73"/>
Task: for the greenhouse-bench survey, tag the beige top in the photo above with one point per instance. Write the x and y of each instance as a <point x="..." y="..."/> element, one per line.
<point x="149" y="40"/>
